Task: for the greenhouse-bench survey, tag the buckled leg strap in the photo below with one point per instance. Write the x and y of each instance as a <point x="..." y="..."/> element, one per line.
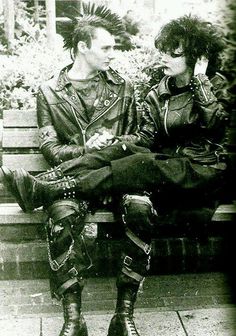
<point x="65" y="286"/>
<point x="137" y="241"/>
<point x="64" y="208"/>
<point x="128" y="261"/>
<point x="127" y="271"/>
<point x="127" y="198"/>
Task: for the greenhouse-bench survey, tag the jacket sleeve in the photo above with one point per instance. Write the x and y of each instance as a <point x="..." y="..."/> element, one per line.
<point x="138" y="126"/>
<point x="211" y="100"/>
<point x="52" y="148"/>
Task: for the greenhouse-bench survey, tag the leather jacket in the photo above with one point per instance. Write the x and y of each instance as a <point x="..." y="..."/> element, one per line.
<point x="64" y="127"/>
<point x="191" y="122"/>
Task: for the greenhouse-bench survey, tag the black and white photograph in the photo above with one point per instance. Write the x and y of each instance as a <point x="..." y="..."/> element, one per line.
<point x="117" y="168"/>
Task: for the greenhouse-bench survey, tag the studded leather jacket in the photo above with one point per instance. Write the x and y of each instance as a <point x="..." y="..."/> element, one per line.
<point x="64" y="126"/>
<point x="190" y="122"/>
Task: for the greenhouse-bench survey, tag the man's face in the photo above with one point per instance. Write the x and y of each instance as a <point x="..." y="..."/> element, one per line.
<point x="99" y="56"/>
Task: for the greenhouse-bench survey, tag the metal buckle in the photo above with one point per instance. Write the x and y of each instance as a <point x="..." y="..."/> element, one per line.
<point x="128" y="261"/>
<point x="54" y="265"/>
<point x="73" y="272"/>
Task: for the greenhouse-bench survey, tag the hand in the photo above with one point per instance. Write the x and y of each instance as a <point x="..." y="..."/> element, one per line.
<point x="100" y="140"/>
<point x="89" y="143"/>
<point x="201" y="66"/>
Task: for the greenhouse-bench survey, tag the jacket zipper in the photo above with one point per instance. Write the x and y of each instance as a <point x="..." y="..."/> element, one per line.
<point x="101" y="115"/>
<point x="166" y="106"/>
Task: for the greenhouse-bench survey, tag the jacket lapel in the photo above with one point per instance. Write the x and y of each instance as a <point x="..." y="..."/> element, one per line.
<point x="107" y="96"/>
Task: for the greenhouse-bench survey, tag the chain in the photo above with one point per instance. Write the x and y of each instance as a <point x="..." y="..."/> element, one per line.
<point x="53" y="263"/>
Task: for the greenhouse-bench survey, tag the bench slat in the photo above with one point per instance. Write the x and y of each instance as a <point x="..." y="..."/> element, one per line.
<point x="225" y="212"/>
<point x="30" y="162"/>
<point x="11" y="213"/>
<point x="23" y="138"/>
<point x="19" y="118"/>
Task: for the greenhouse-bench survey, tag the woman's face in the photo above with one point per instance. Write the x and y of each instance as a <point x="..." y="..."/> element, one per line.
<point x="174" y="63"/>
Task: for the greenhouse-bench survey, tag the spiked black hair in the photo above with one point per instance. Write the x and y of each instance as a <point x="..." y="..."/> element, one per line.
<point x="82" y="26"/>
<point x="197" y="38"/>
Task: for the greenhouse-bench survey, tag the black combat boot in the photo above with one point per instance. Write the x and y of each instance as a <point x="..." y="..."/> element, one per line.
<point x="122" y="323"/>
<point x="74" y="323"/>
<point x="31" y="193"/>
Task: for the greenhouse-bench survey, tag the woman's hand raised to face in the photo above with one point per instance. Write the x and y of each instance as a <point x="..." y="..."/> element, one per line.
<point x="201" y="66"/>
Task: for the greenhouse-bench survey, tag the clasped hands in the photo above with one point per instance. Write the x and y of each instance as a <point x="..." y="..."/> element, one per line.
<point x="100" y="140"/>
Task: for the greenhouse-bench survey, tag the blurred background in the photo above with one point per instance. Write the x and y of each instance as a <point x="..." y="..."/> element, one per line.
<point x="31" y="45"/>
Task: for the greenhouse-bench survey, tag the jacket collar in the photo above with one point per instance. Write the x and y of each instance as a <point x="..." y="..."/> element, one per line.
<point x="110" y="75"/>
<point x="163" y="87"/>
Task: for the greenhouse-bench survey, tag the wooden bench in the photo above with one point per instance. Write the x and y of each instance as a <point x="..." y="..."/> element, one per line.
<point x="19" y="148"/>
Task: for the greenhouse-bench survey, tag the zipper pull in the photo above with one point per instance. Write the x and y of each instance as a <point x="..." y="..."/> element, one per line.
<point x="165" y="116"/>
<point x="84" y="139"/>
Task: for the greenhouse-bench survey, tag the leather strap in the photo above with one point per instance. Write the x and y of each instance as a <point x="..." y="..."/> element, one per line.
<point x="66" y="285"/>
<point x="137" y="241"/>
<point x="136" y="276"/>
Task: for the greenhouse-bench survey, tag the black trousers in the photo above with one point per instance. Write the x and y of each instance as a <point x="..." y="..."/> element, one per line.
<point x="126" y="168"/>
<point x="136" y="170"/>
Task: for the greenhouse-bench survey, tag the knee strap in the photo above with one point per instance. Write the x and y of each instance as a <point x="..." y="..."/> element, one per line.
<point x="138" y="208"/>
<point x="138" y="218"/>
<point x="64" y="208"/>
<point x="127" y="199"/>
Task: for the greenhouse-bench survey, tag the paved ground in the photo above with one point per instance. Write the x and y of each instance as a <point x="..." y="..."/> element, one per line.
<point x="170" y="305"/>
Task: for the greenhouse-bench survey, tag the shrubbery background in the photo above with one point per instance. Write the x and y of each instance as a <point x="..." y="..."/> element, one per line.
<point x="31" y="61"/>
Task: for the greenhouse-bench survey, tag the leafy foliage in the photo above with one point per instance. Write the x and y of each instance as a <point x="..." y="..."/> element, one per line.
<point x="21" y="74"/>
<point x="31" y="62"/>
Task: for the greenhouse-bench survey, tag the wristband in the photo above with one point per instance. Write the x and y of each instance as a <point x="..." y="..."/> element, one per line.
<point x="201" y="87"/>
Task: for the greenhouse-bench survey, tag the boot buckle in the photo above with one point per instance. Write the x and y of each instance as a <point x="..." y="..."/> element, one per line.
<point x="73" y="272"/>
<point x="54" y="265"/>
<point x="127" y="261"/>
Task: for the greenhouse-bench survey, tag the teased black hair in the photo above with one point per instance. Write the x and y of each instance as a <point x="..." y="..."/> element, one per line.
<point x="81" y="27"/>
<point x="197" y="38"/>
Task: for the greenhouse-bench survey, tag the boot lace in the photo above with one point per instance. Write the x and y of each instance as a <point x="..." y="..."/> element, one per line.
<point x="51" y="174"/>
<point x="131" y="325"/>
<point x="129" y="318"/>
